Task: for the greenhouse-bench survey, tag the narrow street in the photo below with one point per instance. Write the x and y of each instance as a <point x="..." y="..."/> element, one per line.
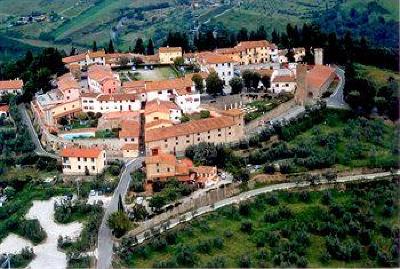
<point x="105" y="238"/>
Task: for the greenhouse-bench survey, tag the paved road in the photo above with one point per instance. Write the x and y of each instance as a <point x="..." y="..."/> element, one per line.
<point x="39" y="150"/>
<point x="291" y="113"/>
<point x="105" y="239"/>
<point x="336" y="100"/>
<point x="249" y="194"/>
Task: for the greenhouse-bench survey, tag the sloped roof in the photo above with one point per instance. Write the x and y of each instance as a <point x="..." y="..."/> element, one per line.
<point x="11" y="84"/>
<point x="80" y="152"/>
<point x="318" y="76"/>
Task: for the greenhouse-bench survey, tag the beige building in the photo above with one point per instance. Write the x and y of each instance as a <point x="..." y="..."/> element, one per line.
<point x="252" y="52"/>
<point x="83" y="161"/>
<point x="130" y="150"/>
<point x="169" y="54"/>
<point x="175" y="139"/>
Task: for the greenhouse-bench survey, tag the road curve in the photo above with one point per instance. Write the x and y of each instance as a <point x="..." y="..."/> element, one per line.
<point x="39" y="150"/>
<point x="105" y="238"/>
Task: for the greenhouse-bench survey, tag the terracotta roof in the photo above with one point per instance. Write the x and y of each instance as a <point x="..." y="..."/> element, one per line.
<point x="129" y="128"/>
<point x="90" y="94"/>
<point x="192" y="127"/>
<point x="170" y="49"/>
<point x="227" y="51"/>
<point x="11" y="84"/>
<point x="318" y="76"/>
<point x="159" y="106"/>
<point x="120" y="115"/>
<point x="97" y="54"/>
<point x="179" y="84"/>
<point x="181" y="169"/>
<point x="160" y="122"/>
<point x="74" y="58"/>
<point x="204" y="169"/>
<point x="80" y="152"/>
<point x="214" y="58"/>
<point x="130" y="146"/>
<point x="161" y="158"/>
<point x="4" y="108"/>
<point x="134" y="84"/>
<point x="100" y="72"/>
<point x="117" y="97"/>
<point x="67" y="82"/>
<point x="265" y="72"/>
<point x="253" y="44"/>
<point x="232" y="112"/>
<point x="284" y="79"/>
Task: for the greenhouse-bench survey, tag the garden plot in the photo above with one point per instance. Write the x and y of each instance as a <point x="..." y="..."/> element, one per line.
<point x="47" y="254"/>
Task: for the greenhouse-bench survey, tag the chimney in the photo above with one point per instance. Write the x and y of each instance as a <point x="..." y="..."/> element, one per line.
<point x="301" y="73"/>
<point x="319" y="56"/>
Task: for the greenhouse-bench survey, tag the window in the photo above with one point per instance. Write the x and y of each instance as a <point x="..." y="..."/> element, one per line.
<point x="79" y="167"/>
<point x="85" y="159"/>
<point x="219" y="135"/>
<point x="92" y="160"/>
<point x="168" y="169"/>
<point x="79" y="158"/>
<point x="165" y="140"/>
<point x="229" y="133"/>
<point x="93" y="168"/>
<point x="187" y="141"/>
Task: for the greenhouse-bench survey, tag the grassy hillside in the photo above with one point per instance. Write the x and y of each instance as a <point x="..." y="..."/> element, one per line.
<point x="379" y="77"/>
<point x="79" y="22"/>
<point x="352" y="228"/>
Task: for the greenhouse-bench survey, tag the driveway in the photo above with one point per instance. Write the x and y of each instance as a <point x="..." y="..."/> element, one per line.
<point x="336" y="100"/>
<point x="105" y="238"/>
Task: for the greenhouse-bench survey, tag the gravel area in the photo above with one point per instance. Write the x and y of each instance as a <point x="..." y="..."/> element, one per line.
<point x="47" y="254"/>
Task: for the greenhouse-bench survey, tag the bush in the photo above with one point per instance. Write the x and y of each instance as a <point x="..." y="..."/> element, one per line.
<point x="159" y="244"/>
<point x="185" y="256"/>
<point x="228" y="233"/>
<point x="218" y="242"/>
<point x="171" y="238"/>
<point x="217" y="262"/>
<point x="246" y="226"/>
<point x="204" y="246"/>
<point x="244" y="261"/>
<point x="119" y="223"/>
<point x="32" y="230"/>
<point x="244" y="209"/>
<point x="204" y="114"/>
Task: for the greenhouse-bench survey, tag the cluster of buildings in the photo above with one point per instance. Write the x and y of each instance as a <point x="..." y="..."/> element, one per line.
<point x="146" y="115"/>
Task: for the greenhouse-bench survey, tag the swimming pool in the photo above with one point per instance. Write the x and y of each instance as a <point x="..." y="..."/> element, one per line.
<point x="70" y="136"/>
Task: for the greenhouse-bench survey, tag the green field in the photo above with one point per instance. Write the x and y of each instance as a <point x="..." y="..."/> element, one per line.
<point x="379" y="77"/>
<point x="286" y="229"/>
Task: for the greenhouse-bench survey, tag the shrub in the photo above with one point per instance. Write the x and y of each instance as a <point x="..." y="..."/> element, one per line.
<point x="171" y="237"/>
<point x="159" y="244"/>
<point x="119" y="223"/>
<point x="32" y="230"/>
<point x="185" y="256"/>
<point x="204" y="246"/>
<point x="246" y="226"/>
<point x="217" y="262"/>
<point x="218" y="242"/>
<point x="373" y="250"/>
<point x="244" y="261"/>
<point x="204" y="114"/>
<point x="228" y="233"/>
<point x="244" y="209"/>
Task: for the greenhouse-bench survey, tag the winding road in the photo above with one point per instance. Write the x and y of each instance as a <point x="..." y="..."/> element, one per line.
<point x="336" y="100"/>
<point x="105" y="238"/>
<point x="248" y="195"/>
<point x="39" y="150"/>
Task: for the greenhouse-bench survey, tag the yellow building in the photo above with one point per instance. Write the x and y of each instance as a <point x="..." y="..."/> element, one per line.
<point x="83" y="161"/>
<point x="167" y="55"/>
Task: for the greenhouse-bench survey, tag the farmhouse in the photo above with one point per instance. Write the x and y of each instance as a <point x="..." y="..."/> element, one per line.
<point x="83" y="161"/>
<point x="101" y="79"/>
<point x="104" y="103"/>
<point x="11" y="87"/>
<point x="167" y="55"/>
<point x="175" y="139"/>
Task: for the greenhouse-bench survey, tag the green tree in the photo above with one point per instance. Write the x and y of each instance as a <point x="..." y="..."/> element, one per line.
<point x="139" y="46"/>
<point x="110" y="47"/>
<point x="198" y="82"/>
<point x="266" y="81"/>
<point x="157" y="202"/>
<point x="119" y="223"/>
<point x="214" y="84"/>
<point x="236" y="84"/>
<point x="178" y="61"/>
<point x="247" y="76"/>
<point x="204" y="114"/>
<point x="120" y="204"/>
<point x="150" y="47"/>
<point x="94" y="46"/>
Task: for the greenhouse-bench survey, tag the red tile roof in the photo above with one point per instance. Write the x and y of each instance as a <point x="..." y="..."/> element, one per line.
<point x="74" y="58"/>
<point x="319" y="75"/>
<point x="214" y="58"/>
<point x="130" y="146"/>
<point x="161" y="158"/>
<point x="170" y="49"/>
<point x="161" y="123"/>
<point x="192" y="127"/>
<point x="80" y="152"/>
<point x="117" y="97"/>
<point x="4" y="108"/>
<point x="129" y="128"/>
<point x="11" y="84"/>
<point x="100" y="73"/>
<point x="67" y="82"/>
<point x="284" y="79"/>
<point x="159" y="106"/>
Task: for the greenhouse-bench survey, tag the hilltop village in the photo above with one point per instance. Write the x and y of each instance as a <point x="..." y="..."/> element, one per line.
<point x="99" y="111"/>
